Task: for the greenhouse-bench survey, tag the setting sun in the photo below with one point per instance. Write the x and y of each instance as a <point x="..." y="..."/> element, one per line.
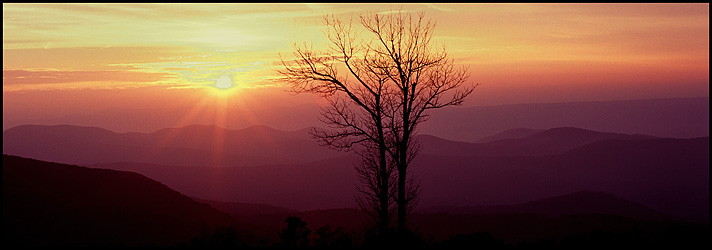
<point x="224" y="82"/>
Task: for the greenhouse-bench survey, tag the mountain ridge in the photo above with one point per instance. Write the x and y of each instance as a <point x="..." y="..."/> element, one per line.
<point x="545" y="142"/>
<point x="515" y="133"/>
<point x="204" y="143"/>
<point x="258" y="145"/>
<point x="661" y="117"/>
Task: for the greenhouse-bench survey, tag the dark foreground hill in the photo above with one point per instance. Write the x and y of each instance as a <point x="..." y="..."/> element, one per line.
<point x="584" y="219"/>
<point x="582" y="202"/>
<point x="50" y="204"/>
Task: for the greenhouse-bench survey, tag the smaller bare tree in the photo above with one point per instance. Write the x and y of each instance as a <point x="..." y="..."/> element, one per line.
<point x="295" y="233"/>
<point x="374" y="197"/>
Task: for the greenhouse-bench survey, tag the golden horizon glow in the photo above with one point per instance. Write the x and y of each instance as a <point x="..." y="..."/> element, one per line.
<point x="508" y="47"/>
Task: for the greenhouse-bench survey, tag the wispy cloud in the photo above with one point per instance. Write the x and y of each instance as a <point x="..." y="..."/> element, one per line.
<point x="215" y="26"/>
<point x="49" y="76"/>
<point x="441" y="7"/>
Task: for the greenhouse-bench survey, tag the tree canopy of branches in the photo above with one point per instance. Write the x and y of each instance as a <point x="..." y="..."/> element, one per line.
<point x="380" y="81"/>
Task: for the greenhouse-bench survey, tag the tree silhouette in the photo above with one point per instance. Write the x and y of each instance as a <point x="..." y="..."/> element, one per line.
<point x="423" y="80"/>
<point x="329" y="238"/>
<point x="392" y="79"/>
<point x="295" y="233"/>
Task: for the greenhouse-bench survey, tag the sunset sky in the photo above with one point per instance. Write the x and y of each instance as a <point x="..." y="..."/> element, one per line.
<point x="64" y="59"/>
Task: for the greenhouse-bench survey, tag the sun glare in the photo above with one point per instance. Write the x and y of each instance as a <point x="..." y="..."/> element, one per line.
<point x="224" y="82"/>
<point x="223" y="86"/>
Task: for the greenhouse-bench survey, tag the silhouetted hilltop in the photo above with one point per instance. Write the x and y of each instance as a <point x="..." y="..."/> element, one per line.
<point x="669" y="118"/>
<point x="239" y="209"/>
<point x="516" y="133"/>
<point x="582" y="135"/>
<point x="557" y="140"/>
<point x="582" y="202"/>
<point x="547" y="142"/>
<point x="51" y="204"/>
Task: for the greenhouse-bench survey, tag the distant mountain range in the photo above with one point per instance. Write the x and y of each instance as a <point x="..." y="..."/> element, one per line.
<point x="545" y="142"/>
<point x="262" y="165"/>
<point x="202" y="145"/>
<point x="670" y="118"/>
<point x="514" y="133"/>
<point x="196" y="145"/>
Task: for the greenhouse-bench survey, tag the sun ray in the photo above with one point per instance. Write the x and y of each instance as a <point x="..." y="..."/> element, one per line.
<point x="218" y="152"/>
<point x="197" y="109"/>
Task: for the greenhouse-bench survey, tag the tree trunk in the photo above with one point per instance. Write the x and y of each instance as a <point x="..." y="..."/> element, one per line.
<point x="402" y="169"/>
<point x="383" y="197"/>
<point x="402" y="202"/>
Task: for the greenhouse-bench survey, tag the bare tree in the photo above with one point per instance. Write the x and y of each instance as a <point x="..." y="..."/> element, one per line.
<point x="423" y="78"/>
<point x="392" y="79"/>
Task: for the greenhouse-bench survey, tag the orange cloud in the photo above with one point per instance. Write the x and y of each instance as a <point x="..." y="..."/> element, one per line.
<point x="512" y="47"/>
<point x="88" y="58"/>
<point x="33" y="77"/>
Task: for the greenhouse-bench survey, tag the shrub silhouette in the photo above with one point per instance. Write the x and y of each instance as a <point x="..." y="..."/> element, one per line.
<point x="295" y="233"/>
<point x="473" y="240"/>
<point x="226" y="237"/>
<point x="397" y="240"/>
<point x="333" y="239"/>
